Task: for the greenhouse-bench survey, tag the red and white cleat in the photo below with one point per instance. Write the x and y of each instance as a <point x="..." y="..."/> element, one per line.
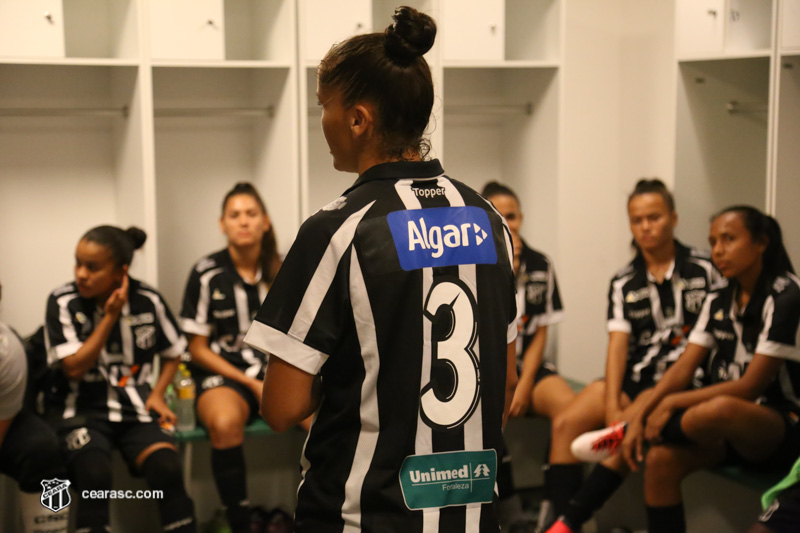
<point x="597" y="446"/>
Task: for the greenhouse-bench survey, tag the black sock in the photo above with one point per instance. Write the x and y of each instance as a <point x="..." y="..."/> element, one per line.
<point x="91" y="470"/>
<point x="561" y="482"/>
<point x="162" y="470"/>
<point x="672" y="432"/>
<point x="505" y="479"/>
<point x="601" y="483"/>
<point x="669" y="519"/>
<point x="231" y="479"/>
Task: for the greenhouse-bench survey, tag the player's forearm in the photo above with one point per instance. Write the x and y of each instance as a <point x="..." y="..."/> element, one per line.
<point x="615" y="368"/>
<point x="77" y="364"/>
<point x="533" y="356"/>
<point x="168" y="369"/>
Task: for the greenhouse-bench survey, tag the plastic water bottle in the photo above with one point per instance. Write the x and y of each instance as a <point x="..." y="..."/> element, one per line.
<point x="184" y="402"/>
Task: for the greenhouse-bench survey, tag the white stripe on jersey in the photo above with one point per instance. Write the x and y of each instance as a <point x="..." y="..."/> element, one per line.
<point x="69" y="402"/>
<point x="136" y="401"/>
<point x="243" y="314"/>
<point x="114" y="407"/>
<point x="618" y="322"/>
<point x="67" y="328"/>
<point x="126" y="335"/>
<point x="205" y="296"/>
<point x="323" y="276"/>
<point x="177" y="342"/>
<point x="370" y="421"/>
<point x="473" y="428"/>
<point x="423" y="442"/>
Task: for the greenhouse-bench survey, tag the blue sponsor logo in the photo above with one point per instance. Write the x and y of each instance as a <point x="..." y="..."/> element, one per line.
<point x="442" y="236"/>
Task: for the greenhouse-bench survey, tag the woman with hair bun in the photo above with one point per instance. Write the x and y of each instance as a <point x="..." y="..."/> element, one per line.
<point x="104" y="331"/>
<point x="223" y="293"/>
<point x="393" y="318"/>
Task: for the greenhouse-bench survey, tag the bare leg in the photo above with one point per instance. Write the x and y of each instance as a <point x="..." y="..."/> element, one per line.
<point x="551" y="396"/>
<point x="585" y="413"/>
<point x="224" y="413"/>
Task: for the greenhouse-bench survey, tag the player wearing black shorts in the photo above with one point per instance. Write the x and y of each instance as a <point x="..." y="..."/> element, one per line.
<point x="29" y="452"/>
<point x="103" y="332"/>
<point x="540" y="389"/>
<point x="223" y="294"/>
<point x="393" y="318"/>
<point x="652" y="305"/>
<point x="746" y="341"/>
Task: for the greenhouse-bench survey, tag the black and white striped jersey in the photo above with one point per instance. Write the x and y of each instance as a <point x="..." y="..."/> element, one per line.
<point x="400" y="294"/>
<point x="659" y="316"/>
<point x="537" y="295"/>
<point x="220" y="305"/>
<point x="118" y="386"/>
<point x="768" y="325"/>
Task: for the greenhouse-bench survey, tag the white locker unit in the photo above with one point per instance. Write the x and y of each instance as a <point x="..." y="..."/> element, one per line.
<point x="481" y="30"/>
<point x="790" y="25"/>
<point x="701" y="26"/>
<point x="31" y="29"/>
<point x="325" y="23"/>
<point x="187" y="29"/>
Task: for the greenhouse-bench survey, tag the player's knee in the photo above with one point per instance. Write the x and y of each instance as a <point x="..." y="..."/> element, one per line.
<point x="225" y="431"/>
<point x="718" y="411"/>
<point x="662" y="464"/>
<point x="162" y="470"/>
<point x="91" y="470"/>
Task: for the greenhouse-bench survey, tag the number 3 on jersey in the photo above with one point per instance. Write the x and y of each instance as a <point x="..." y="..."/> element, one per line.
<point x="451" y="396"/>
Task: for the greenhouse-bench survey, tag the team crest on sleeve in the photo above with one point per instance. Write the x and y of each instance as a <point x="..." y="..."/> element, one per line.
<point x="55" y="494"/>
<point x="442" y="236"/>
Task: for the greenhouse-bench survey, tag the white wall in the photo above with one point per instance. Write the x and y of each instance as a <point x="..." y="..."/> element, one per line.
<point x="616" y="125"/>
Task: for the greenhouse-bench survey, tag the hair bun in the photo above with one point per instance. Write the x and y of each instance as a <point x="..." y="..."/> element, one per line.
<point x="137" y="236"/>
<point x="410" y="37"/>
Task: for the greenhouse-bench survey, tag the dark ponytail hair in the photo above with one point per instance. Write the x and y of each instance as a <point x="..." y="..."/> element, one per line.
<point x="653" y="186"/>
<point x="121" y="243"/>
<point x="495" y="188"/>
<point x="764" y="228"/>
<point x="270" y="262"/>
<point x="388" y="70"/>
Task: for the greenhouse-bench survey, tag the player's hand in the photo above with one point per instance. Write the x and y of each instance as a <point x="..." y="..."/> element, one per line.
<point x="165" y="414"/>
<point x="633" y="442"/>
<point x="117" y="299"/>
<point x="256" y="386"/>
<point x="656" y="422"/>
<point x="520" y="403"/>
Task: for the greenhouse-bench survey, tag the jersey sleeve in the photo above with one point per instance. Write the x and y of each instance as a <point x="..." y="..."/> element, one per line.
<point x="61" y="328"/>
<point x="13" y="375"/>
<point x="194" y="312"/>
<point x="701" y="333"/>
<point x="170" y="341"/>
<point x="617" y="319"/>
<point x="781" y="316"/>
<point x="303" y="317"/>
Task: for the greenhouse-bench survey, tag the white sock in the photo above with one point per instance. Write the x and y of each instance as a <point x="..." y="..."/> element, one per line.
<point x="38" y="519"/>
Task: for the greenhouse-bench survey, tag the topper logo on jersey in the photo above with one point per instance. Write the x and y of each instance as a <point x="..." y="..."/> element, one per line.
<point x="442" y="236"/>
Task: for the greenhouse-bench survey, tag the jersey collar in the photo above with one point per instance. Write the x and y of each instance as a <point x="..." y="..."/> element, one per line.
<point x="396" y="170"/>
<point x="231" y="271"/>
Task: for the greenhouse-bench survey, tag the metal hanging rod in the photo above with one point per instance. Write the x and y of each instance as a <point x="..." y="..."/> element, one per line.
<point x="473" y="109"/>
<point x="733" y="107"/>
<point x="115" y="112"/>
<point x="256" y="112"/>
<point x="103" y="112"/>
<point x="489" y="109"/>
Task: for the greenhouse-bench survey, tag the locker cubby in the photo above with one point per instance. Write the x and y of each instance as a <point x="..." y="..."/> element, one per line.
<point x="721" y="140"/>
<point x="215" y="127"/>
